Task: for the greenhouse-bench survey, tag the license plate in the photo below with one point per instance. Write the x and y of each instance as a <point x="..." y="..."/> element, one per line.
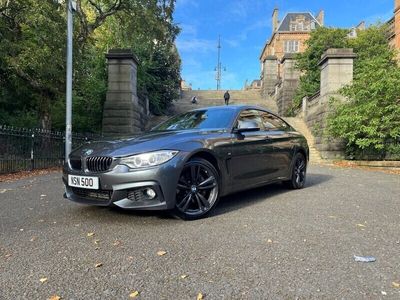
<point x="85" y="182"/>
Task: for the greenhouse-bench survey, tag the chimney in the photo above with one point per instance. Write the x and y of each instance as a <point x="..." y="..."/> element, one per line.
<point x="275" y="21"/>
<point x="321" y="15"/>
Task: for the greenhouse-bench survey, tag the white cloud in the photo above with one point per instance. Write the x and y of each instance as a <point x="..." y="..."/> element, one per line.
<point x="242" y="36"/>
<point x="188" y="29"/>
<point x="194" y="45"/>
<point x="241" y="9"/>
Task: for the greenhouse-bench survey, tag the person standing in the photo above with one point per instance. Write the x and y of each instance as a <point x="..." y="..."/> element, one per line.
<point x="227" y="97"/>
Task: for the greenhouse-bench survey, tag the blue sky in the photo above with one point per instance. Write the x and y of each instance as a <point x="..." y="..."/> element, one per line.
<point x="244" y="26"/>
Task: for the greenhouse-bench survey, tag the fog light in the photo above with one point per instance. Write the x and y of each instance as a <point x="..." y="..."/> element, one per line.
<point x="150" y="193"/>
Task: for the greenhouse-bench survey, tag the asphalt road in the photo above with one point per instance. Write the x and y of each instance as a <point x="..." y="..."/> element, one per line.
<point x="268" y="243"/>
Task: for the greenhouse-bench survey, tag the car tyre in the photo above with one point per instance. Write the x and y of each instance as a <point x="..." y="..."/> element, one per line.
<point x="197" y="191"/>
<point x="298" y="174"/>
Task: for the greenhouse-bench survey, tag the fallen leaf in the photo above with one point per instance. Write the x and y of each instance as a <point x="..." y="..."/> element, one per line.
<point x="184" y="276"/>
<point x="199" y="296"/>
<point x="134" y="294"/>
<point x="96" y="242"/>
<point x="8" y="255"/>
<point x="55" y="297"/>
<point x="90" y="234"/>
<point x="43" y="280"/>
<point x="130" y="257"/>
<point x="98" y="265"/>
<point x="161" y="253"/>
<point x="269" y="241"/>
<point x="396" y="284"/>
<point x="361" y="225"/>
<point x="33" y="239"/>
<point x="117" y="243"/>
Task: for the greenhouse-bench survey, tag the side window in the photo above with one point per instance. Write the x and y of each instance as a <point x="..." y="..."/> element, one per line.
<point x="250" y="115"/>
<point x="272" y="122"/>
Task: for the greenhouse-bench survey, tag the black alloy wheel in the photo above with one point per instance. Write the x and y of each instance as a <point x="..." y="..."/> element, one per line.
<point x="197" y="191"/>
<point x="298" y="178"/>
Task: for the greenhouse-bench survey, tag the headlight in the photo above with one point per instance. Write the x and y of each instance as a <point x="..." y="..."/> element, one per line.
<point x="148" y="159"/>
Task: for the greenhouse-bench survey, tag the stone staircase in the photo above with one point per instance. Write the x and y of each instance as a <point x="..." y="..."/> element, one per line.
<point x="214" y="98"/>
<point x="298" y="124"/>
<point x="251" y="97"/>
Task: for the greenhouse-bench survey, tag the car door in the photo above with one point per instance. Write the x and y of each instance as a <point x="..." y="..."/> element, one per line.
<point x="251" y="160"/>
<point x="278" y="135"/>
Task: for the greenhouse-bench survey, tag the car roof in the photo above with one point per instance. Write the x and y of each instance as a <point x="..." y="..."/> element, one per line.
<point x="236" y="107"/>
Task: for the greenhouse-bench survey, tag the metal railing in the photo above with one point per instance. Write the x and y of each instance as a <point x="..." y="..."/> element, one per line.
<point x="24" y="149"/>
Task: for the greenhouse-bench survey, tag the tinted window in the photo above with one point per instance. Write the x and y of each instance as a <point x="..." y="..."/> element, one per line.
<point x="272" y="122"/>
<point x="249" y="115"/>
<point x="199" y="119"/>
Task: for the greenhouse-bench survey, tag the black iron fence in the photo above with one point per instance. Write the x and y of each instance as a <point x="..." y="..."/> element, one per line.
<point x="23" y="149"/>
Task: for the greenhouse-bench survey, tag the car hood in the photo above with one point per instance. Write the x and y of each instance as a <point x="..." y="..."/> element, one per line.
<point x="149" y="141"/>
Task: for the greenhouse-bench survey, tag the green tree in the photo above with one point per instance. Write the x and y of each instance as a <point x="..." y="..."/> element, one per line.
<point x="32" y="57"/>
<point x="370" y="119"/>
<point x="320" y="40"/>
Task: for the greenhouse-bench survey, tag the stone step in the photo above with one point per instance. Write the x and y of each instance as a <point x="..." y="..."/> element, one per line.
<point x="301" y="127"/>
<point x="215" y="98"/>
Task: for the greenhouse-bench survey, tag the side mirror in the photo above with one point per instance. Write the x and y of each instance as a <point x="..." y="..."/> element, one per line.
<point x="246" y="126"/>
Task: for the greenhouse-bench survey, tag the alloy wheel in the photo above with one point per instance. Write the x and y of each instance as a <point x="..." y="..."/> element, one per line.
<point x="300" y="171"/>
<point x="197" y="189"/>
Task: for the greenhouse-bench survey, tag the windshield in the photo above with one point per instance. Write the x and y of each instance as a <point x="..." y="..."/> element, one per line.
<point x="199" y="119"/>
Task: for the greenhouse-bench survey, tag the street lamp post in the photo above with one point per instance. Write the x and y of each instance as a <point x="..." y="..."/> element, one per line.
<point x="71" y="7"/>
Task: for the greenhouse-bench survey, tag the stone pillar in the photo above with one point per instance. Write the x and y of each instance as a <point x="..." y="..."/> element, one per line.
<point x="290" y="81"/>
<point x="336" y="71"/>
<point x="120" y="115"/>
<point x="270" y="74"/>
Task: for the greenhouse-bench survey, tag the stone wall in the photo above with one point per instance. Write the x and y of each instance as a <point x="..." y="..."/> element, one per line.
<point x="336" y="71"/>
<point x="124" y="112"/>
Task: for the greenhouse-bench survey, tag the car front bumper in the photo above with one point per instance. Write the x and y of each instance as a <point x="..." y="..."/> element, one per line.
<point x="123" y="188"/>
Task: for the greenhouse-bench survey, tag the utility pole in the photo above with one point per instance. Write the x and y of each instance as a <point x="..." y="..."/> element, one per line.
<point x="218" y="69"/>
<point x="71" y="7"/>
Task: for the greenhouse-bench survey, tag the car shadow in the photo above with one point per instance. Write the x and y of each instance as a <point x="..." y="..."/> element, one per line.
<point x="250" y="197"/>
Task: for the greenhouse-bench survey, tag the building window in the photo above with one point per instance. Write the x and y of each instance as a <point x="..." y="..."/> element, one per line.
<point x="293" y="27"/>
<point x="291" y="46"/>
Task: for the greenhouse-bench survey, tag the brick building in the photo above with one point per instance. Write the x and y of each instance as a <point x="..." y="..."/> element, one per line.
<point x="288" y="37"/>
<point x="394" y="26"/>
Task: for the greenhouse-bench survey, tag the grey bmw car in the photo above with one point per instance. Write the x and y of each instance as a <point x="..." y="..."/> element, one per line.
<point x="188" y="162"/>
